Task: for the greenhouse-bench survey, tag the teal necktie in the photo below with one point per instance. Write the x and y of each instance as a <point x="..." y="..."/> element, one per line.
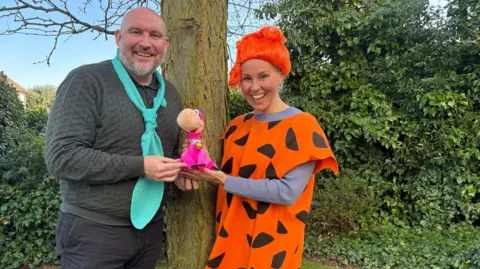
<point x="147" y="194"/>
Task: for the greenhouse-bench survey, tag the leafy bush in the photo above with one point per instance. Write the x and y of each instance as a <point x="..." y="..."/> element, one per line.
<point x="395" y="85"/>
<point x="29" y="201"/>
<point x="41" y="96"/>
<point x="27" y="223"/>
<point x="29" y="198"/>
<point x="237" y="104"/>
<point x="340" y="204"/>
<point x="393" y="247"/>
<point x="37" y="119"/>
<point x="11" y="110"/>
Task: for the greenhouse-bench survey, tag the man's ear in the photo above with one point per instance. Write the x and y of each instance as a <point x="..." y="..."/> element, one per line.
<point x="167" y="42"/>
<point x="118" y="36"/>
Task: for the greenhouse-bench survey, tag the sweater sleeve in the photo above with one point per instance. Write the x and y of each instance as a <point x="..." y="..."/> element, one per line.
<point x="70" y="136"/>
<point x="285" y="191"/>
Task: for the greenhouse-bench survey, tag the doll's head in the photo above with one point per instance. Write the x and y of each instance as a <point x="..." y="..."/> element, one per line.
<point x="191" y="120"/>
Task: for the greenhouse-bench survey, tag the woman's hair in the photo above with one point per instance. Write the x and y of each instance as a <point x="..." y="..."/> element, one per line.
<point x="266" y="44"/>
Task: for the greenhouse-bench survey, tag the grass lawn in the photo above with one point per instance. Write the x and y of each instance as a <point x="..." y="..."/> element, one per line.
<point x="306" y="265"/>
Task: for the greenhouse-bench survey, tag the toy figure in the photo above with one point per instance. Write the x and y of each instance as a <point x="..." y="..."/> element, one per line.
<point x="195" y="156"/>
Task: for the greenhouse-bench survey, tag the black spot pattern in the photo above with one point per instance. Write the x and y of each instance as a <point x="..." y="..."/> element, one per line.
<point x="291" y="140"/>
<point x="242" y="141"/>
<point x="219" y="216"/>
<point x="302" y="216"/>
<point x="229" y="198"/>
<point x="230" y="131"/>
<point x="227" y="167"/>
<point x="273" y="124"/>
<point x="247" y="170"/>
<point x="318" y="141"/>
<point x="296" y="249"/>
<point x="249" y="239"/>
<point x="223" y="233"/>
<point x="247" y="117"/>
<point x="251" y="213"/>
<point x="267" y="150"/>
<point x="215" y="262"/>
<point x="262" y="240"/>
<point x="281" y="228"/>
<point x="262" y="207"/>
<point x="278" y="259"/>
<point x="271" y="173"/>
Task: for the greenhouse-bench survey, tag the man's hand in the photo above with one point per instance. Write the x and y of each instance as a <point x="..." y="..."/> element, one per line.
<point x="186" y="184"/>
<point x="162" y="169"/>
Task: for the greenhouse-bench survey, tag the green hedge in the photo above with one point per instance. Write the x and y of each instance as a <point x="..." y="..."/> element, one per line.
<point x="396" y="86"/>
<point x="393" y="247"/>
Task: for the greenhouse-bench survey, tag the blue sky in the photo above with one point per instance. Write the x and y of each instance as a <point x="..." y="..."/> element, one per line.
<point x="19" y="53"/>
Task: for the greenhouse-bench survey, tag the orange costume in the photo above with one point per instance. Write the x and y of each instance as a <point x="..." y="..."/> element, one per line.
<point x="253" y="234"/>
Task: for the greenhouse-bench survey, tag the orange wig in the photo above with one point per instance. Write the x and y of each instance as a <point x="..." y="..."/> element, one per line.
<point x="266" y="44"/>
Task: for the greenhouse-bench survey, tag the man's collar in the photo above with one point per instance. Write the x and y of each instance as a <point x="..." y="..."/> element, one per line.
<point x="154" y="85"/>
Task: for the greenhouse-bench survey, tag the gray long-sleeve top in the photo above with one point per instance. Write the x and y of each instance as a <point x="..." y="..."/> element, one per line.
<point x="285" y="191"/>
<point x="93" y="141"/>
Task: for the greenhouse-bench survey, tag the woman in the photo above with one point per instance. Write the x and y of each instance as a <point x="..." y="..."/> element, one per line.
<point x="270" y="158"/>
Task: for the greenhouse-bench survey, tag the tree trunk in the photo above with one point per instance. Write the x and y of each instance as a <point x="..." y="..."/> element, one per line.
<point x="196" y="64"/>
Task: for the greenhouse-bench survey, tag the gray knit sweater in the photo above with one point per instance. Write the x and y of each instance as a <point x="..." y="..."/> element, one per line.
<point x="93" y="141"/>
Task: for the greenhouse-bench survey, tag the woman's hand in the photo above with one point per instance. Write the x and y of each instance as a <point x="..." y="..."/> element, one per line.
<point x="186" y="184"/>
<point x="216" y="177"/>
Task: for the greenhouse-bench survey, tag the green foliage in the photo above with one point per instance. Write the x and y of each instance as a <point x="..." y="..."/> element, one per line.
<point x="27" y="223"/>
<point x="41" y="96"/>
<point x="237" y="104"/>
<point x="393" y="247"/>
<point x="339" y="204"/>
<point x="29" y="201"/>
<point x="29" y="198"/>
<point x="395" y="85"/>
<point x="11" y="110"/>
<point x="37" y="119"/>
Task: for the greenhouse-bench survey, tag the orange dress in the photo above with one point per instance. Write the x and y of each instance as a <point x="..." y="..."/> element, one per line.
<point x="253" y="234"/>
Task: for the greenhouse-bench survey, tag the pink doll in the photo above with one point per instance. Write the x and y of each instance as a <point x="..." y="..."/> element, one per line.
<point x="195" y="156"/>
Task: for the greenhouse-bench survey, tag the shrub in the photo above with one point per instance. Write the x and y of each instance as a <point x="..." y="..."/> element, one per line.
<point x="11" y="111"/>
<point x="395" y="85"/>
<point x="237" y="104"/>
<point x="340" y="204"/>
<point x="393" y="247"/>
<point x="29" y="201"/>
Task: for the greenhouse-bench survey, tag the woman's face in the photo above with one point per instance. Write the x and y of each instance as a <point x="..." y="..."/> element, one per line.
<point x="260" y="83"/>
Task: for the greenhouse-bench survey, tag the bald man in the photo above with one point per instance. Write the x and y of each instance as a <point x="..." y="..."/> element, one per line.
<point x="93" y="146"/>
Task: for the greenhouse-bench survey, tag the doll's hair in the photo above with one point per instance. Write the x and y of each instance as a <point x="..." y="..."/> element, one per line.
<point x="266" y="44"/>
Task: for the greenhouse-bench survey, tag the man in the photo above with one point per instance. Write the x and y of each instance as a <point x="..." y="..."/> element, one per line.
<point x="97" y="136"/>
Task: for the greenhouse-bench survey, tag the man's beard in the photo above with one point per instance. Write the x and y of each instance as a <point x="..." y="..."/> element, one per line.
<point x="139" y="71"/>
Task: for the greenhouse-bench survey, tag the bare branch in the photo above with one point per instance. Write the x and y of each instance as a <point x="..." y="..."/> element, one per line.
<point x="63" y="18"/>
<point x="54" y="47"/>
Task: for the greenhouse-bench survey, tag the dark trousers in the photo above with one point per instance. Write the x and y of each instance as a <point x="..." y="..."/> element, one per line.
<point x="83" y="244"/>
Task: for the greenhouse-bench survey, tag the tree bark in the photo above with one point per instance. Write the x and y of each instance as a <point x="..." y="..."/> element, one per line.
<point x="196" y="64"/>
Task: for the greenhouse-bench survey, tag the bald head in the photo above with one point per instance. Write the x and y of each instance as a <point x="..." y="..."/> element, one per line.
<point x="141" y="12"/>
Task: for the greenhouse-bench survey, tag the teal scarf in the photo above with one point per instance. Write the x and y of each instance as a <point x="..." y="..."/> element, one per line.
<point x="147" y="194"/>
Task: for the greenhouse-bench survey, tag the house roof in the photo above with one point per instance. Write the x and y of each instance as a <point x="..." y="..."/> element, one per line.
<point x="17" y="86"/>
